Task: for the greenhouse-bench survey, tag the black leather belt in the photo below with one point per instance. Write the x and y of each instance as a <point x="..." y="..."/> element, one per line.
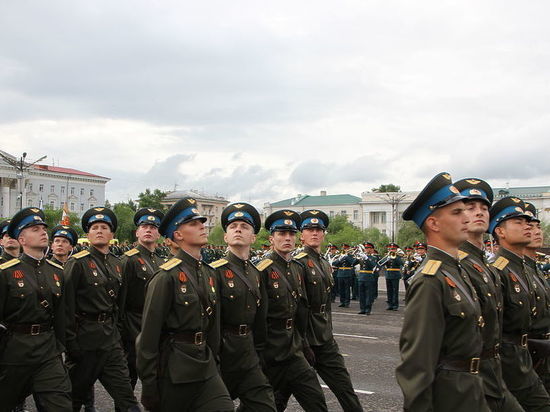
<point x="196" y="338"/>
<point x="492" y="352"/>
<point x="96" y="317"/>
<point x="240" y="330"/>
<point x="30" y="328"/>
<point x="467" y="365"/>
<point x="282" y="323"/>
<point x="520" y="340"/>
<point x="319" y="308"/>
<point x="543" y="336"/>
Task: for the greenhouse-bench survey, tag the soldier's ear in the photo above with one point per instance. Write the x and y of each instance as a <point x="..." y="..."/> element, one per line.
<point x="431" y="224"/>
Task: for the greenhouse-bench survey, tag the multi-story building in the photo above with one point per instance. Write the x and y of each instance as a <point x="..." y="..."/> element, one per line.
<point x="210" y="206"/>
<point x="48" y="186"/>
<point x="332" y="205"/>
<point x="539" y="196"/>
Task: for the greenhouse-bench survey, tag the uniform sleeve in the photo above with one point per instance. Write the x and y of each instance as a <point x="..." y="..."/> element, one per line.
<point x="59" y="320"/>
<point x="302" y="311"/>
<point x="420" y="343"/>
<point x="214" y="335"/>
<point x="158" y="301"/>
<point x="126" y="265"/>
<point x="260" y="320"/>
<point x="72" y="273"/>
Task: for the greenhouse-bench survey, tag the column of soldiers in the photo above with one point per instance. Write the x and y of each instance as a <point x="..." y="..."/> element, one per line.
<point x="476" y="334"/>
<point x="197" y="335"/>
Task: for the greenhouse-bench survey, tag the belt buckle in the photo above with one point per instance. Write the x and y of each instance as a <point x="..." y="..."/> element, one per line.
<point x="547" y="336"/>
<point x="288" y="324"/>
<point x="474" y="366"/>
<point x="322" y="308"/>
<point x="101" y="318"/>
<point x="35" y="329"/>
<point x="524" y="340"/>
<point x="243" y="330"/>
<point x="198" y="338"/>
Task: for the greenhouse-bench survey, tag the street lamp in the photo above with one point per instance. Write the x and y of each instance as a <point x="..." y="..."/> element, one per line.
<point x="393" y="199"/>
<point x="20" y="167"/>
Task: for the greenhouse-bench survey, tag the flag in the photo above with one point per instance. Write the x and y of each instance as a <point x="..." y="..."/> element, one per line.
<point x="65" y="220"/>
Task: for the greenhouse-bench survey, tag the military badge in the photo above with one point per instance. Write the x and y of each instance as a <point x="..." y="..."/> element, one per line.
<point x="288" y="222"/>
<point x="485" y="278"/>
<point x="454" y="190"/>
<point x="20" y="283"/>
<point x="450" y="282"/>
<point x="211" y="282"/>
<point x="478" y="268"/>
<point x="446" y="176"/>
<point x="182" y="277"/>
<point x="231" y="284"/>
<point x="310" y="263"/>
<point x="516" y="288"/>
<point x="516" y="200"/>
<point x="239" y="214"/>
<point x="92" y="265"/>
<point x="238" y="205"/>
<point x="475" y="192"/>
<point x="513" y="277"/>
<point x="286" y="212"/>
<point x="314" y="212"/>
<point x="276" y="285"/>
<point x="275" y="275"/>
<point x="56" y="278"/>
<point x="473" y="181"/>
<point x="192" y="201"/>
<point x="18" y="274"/>
<point x="195" y="211"/>
<point x="229" y="274"/>
<point x="314" y="220"/>
<point x="183" y="289"/>
<point x="34" y="210"/>
<point x="117" y="267"/>
<point x="457" y="296"/>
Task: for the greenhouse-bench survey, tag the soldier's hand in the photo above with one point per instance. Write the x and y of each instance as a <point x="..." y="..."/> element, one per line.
<point x="309" y="355"/>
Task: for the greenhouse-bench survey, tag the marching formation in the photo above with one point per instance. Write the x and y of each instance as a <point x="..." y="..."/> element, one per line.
<point x="200" y="332"/>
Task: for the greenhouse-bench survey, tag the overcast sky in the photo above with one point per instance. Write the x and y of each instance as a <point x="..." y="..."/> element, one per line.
<point x="260" y="102"/>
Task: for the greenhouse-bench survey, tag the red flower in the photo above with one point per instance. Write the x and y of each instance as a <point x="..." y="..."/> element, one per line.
<point x="183" y="277"/>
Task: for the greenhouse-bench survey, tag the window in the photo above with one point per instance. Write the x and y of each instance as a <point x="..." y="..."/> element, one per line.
<point x="29" y="202"/>
<point x="41" y="187"/>
<point x="72" y="206"/>
<point x="82" y="192"/>
<point x="377" y="217"/>
<point x="62" y="190"/>
<point x="82" y="207"/>
<point x="355" y="214"/>
<point x="91" y="205"/>
<point x="91" y="192"/>
<point x="331" y="214"/>
<point x="62" y="205"/>
<point x="344" y="213"/>
<point x="52" y="188"/>
<point x="29" y="187"/>
<point x="52" y="204"/>
<point x="72" y="190"/>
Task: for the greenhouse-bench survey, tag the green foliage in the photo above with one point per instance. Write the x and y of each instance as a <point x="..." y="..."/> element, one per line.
<point x="261" y="238"/>
<point x="409" y="234"/>
<point x="53" y="218"/>
<point x="380" y="240"/>
<point x="341" y="231"/>
<point x="390" y="187"/>
<point x="125" y="216"/>
<point x="545" y="226"/>
<point x="152" y="199"/>
<point x="216" y="236"/>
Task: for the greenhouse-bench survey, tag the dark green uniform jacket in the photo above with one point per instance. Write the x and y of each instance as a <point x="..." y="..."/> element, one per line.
<point x="345" y="264"/>
<point x="31" y="293"/>
<point x="181" y="300"/>
<point x="243" y="313"/>
<point x="393" y="267"/>
<point x="318" y="282"/>
<point x="93" y="284"/>
<point x="287" y="308"/>
<point x="138" y="266"/>
<point x="442" y="324"/>
<point x="488" y="287"/>
<point x="366" y="271"/>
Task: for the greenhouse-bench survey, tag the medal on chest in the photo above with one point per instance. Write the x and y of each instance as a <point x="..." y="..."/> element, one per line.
<point x="211" y="283"/>
<point x="93" y="266"/>
<point x="183" y="280"/>
<point x="452" y="284"/>
<point x="142" y="263"/>
<point x="18" y="274"/>
<point x="517" y="288"/>
<point x="56" y="279"/>
<point x="229" y="275"/>
<point x="274" y="276"/>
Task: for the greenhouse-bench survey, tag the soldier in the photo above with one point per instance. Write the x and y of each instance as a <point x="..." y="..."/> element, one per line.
<point x="243" y="311"/>
<point x="510" y="226"/>
<point x="285" y="365"/>
<point x="479" y="197"/>
<point x="441" y="341"/>
<point x="323" y="349"/>
<point x="180" y="331"/>
<point x="368" y="281"/>
<point x="93" y="281"/>
<point x="539" y="344"/>
<point x="345" y="265"/>
<point x="64" y="239"/>
<point x="138" y="266"/>
<point x="393" y="264"/>
<point x="32" y="327"/>
<point x="10" y="247"/>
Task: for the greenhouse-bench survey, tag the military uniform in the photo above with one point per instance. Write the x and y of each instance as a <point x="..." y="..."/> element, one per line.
<point x="345" y="266"/>
<point x="180" y="331"/>
<point x="32" y="312"/>
<point x="393" y="265"/>
<point x="368" y="283"/>
<point x="93" y="339"/>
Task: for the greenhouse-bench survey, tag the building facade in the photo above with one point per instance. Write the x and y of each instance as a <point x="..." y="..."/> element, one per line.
<point x="48" y="186"/>
<point x="210" y="206"/>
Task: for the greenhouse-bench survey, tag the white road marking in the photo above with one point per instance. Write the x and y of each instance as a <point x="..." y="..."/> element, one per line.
<point x="356" y="390"/>
<point x="355" y="336"/>
<point x="348" y="314"/>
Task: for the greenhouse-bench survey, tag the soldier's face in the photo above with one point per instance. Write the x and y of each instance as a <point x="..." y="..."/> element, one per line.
<point x="421" y="251"/>
<point x="61" y="246"/>
<point x="34" y="237"/>
<point x="478" y="214"/>
<point x="147" y="234"/>
<point x="313" y="237"/>
<point x="239" y="233"/>
<point x="450" y="222"/>
<point x="283" y="242"/>
<point x="9" y="243"/>
<point x="100" y="234"/>
<point x="369" y="250"/>
<point x="192" y="233"/>
<point x="537" y="237"/>
<point x="515" y="231"/>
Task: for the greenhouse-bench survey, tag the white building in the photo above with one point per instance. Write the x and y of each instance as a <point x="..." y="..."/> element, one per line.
<point x="48" y="186"/>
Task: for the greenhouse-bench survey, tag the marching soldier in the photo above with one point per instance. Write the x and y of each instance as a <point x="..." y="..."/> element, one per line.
<point x="32" y="322"/>
<point x="93" y="281"/>
<point x="64" y="239"/>
<point x="441" y="341"/>
<point x="138" y="266"/>
<point x="180" y="331"/>
<point x="368" y="280"/>
<point x="393" y="264"/>
<point x="10" y="247"/>
<point x="323" y="349"/>
<point x="539" y="343"/>
<point x="285" y="364"/>
<point x="510" y="226"/>
<point x="243" y="311"/>
<point x="345" y="265"/>
<point x="479" y="197"/>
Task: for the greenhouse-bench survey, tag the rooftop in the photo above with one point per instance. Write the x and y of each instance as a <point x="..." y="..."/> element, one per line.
<point x="323" y="200"/>
<point x="66" y="170"/>
<point x="179" y="194"/>
<point x="525" y="191"/>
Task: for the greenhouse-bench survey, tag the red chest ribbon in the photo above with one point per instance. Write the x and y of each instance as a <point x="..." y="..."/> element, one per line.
<point x="55" y="277"/>
<point x="141" y="261"/>
<point x="513" y="277"/>
<point x="450" y="282"/>
<point x="229" y="274"/>
<point x="18" y="274"/>
<point x="310" y="263"/>
<point x="211" y="282"/>
<point x="275" y="275"/>
<point x="182" y="277"/>
<point x="92" y="265"/>
<point x="478" y="268"/>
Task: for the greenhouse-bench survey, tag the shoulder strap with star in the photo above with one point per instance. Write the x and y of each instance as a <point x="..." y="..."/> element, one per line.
<point x="264" y="264"/>
<point x="54" y="264"/>
<point x="170" y="264"/>
<point x="219" y="263"/>
<point x="461" y="255"/>
<point x="132" y="252"/>
<point x="300" y="255"/>
<point x="501" y="263"/>
<point x="9" y="264"/>
<point x="431" y="267"/>
<point x="81" y="254"/>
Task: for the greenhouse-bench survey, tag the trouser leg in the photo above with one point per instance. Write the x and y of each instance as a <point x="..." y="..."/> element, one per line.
<point x="115" y="378"/>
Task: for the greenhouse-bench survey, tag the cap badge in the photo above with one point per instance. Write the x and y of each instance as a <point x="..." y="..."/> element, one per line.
<point x="99" y="209"/>
<point x="314" y="220"/>
<point x="314" y="212"/>
<point x="99" y="216"/>
<point x="152" y="210"/>
<point x="446" y="176"/>
<point x="238" y="205"/>
<point x="473" y="181"/>
<point x="63" y="232"/>
<point x="288" y="222"/>
<point x="195" y="211"/>
<point x="475" y="192"/>
<point x="454" y="189"/>
<point x="286" y="212"/>
<point x="239" y="214"/>
<point x="36" y="218"/>
<point x="34" y="210"/>
<point x="529" y="213"/>
<point x="192" y="201"/>
<point x="518" y="209"/>
<point x="150" y="217"/>
<point x="515" y="199"/>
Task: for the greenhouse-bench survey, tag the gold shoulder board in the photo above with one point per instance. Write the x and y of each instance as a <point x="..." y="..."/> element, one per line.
<point x="501" y="263"/>
<point x="81" y="254"/>
<point x="170" y="264"/>
<point x="132" y="252"/>
<point x="300" y="255"/>
<point x="461" y="255"/>
<point x="218" y="263"/>
<point x="431" y="267"/>
<point x="264" y="264"/>
<point x="9" y="264"/>
<point x="54" y="264"/>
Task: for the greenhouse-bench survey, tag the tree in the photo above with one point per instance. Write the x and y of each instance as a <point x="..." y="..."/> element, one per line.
<point x="545" y="226"/>
<point x="390" y="187"/>
<point x="216" y="236"/>
<point x="261" y="238"/>
<point x="409" y="234"/>
<point x="152" y="199"/>
<point x="375" y="236"/>
<point x="341" y="231"/>
<point x="125" y="217"/>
